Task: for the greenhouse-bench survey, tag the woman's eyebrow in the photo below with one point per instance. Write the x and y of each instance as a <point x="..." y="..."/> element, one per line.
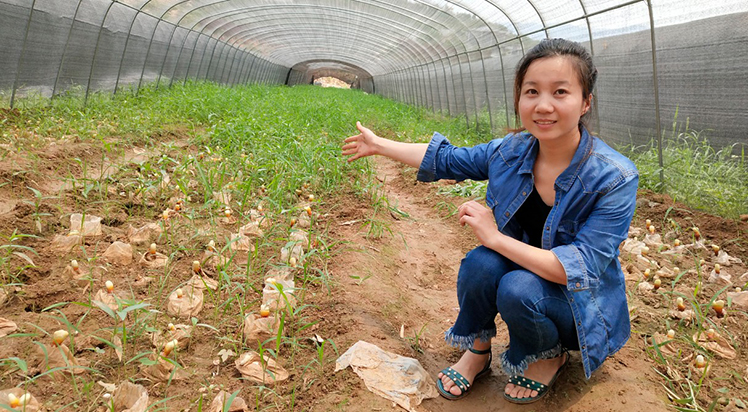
<point x="559" y="82"/>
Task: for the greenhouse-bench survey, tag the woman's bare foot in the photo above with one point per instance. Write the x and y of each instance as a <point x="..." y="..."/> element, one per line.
<point x="540" y="371"/>
<point x="469" y="365"/>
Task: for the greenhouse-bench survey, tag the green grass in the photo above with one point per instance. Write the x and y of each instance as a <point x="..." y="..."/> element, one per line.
<point x="696" y="174"/>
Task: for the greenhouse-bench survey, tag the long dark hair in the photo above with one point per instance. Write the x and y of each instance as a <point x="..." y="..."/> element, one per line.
<point x="577" y="54"/>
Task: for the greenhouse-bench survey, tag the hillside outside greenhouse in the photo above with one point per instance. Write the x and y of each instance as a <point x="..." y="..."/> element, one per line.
<point x="367" y="205"/>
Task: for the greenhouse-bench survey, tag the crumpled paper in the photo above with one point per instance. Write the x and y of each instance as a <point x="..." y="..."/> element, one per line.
<point x="394" y="377"/>
<point x="219" y="402"/>
<point x="7" y="327"/>
<point x="264" y="370"/>
<point x="129" y="397"/>
<point x="86" y="225"/>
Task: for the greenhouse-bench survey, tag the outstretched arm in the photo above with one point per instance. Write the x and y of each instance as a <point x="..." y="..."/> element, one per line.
<point x="366" y="143"/>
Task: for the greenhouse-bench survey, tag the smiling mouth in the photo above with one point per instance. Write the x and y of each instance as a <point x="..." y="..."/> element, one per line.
<point x="545" y="122"/>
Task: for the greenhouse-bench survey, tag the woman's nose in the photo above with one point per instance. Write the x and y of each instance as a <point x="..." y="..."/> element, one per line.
<point x="544" y="105"/>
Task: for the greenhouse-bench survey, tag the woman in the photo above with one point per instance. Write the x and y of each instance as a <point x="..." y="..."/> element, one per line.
<point x="560" y="202"/>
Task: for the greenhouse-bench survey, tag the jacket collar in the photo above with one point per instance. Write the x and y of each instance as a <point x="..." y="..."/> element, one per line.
<point x="567" y="177"/>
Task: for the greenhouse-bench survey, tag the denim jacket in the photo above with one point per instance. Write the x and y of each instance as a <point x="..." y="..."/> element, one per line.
<point x="590" y="217"/>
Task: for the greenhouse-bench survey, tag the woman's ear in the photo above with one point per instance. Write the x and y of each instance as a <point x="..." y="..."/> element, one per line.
<point x="586" y="104"/>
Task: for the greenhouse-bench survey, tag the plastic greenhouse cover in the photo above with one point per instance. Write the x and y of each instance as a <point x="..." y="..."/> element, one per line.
<point x="455" y="56"/>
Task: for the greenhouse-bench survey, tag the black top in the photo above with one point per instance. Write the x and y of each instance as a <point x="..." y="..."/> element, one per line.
<point x="531" y="217"/>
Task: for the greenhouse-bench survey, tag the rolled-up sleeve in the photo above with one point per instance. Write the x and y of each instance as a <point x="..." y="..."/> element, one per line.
<point x="597" y="241"/>
<point x="445" y="161"/>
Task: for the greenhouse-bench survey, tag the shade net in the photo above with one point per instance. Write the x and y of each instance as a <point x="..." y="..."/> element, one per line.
<point x="660" y="62"/>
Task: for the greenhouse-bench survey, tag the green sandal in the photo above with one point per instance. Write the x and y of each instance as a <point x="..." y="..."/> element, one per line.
<point x="534" y="385"/>
<point x="460" y="380"/>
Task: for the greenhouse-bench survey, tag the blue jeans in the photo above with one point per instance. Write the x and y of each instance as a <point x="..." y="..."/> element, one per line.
<point x="536" y="312"/>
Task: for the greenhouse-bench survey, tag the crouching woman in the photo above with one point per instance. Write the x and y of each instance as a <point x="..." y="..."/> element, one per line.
<point x="559" y="203"/>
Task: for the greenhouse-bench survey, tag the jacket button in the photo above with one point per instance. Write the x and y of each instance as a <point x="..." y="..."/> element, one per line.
<point x="579" y="285"/>
<point x="579" y="323"/>
<point x="506" y="214"/>
<point x="547" y="228"/>
<point x="524" y="193"/>
<point x="584" y="347"/>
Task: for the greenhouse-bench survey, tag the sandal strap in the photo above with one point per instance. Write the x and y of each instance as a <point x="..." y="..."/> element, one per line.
<point x="480" y="352"/>
<point x="527" y="383"/>
<point x="457" y="378"/>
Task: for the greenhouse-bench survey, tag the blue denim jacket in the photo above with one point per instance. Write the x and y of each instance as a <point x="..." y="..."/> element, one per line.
<point x="594" y="205"/>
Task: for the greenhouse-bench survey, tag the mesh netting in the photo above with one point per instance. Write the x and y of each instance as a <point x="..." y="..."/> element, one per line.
<point x="656" y="58"/>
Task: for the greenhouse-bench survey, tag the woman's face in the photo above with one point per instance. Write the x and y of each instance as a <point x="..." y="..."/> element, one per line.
<point x="551" y="100"/>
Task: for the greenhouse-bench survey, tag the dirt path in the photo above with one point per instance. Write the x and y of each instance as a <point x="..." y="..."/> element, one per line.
<point x="409" y="279"/>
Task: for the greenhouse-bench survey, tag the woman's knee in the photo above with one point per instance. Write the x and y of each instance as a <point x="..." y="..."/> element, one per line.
<point x="517" y="289"/>
<point x="481" y="267"/>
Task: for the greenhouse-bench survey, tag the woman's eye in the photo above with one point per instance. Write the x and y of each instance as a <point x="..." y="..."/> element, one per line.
<point x="561" y="91"/>
<point x="531" y="91"/>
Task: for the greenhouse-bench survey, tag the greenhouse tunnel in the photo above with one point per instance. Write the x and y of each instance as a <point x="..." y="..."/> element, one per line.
<point x="659" y="60"/>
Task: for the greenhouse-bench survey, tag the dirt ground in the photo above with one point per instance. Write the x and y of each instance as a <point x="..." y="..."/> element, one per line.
<point x="403" y="279"/>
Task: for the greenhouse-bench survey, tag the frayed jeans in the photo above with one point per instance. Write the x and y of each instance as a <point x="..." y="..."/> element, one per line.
<point x="536" y="312"/>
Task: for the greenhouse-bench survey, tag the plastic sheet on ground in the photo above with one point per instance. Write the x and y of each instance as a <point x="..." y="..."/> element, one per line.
<point x="397" y="378"/>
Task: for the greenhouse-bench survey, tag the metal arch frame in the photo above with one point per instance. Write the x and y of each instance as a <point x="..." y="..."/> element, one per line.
<point x="127" y="41"/>
<point x="194" y="47"/>
<point x="211" y="36"/>
<point x="483" y="66"/>
<point x="65" y="49"/>
<point x="96" y="52"/>
<point x="242" y="39"/>
<point x="177" y="26"/>
<point x="23" y="51"/>
<point x="592" y="52"/>
<point x="354" y="57"/>
<point x="656" y="94"/>
<point x="148" y="52"/>
<point x="501" y="58"/>
<point x="408" y="16"/>
<point x="138" y="11"/>
<point x="540" y="16"/>
<point x="389" y="9"/>
<point x="274" y="68"/>
<point x="480" y="49"/>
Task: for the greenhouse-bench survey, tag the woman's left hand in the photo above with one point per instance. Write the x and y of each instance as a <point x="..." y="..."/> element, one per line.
<point x="481" y="220"/>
